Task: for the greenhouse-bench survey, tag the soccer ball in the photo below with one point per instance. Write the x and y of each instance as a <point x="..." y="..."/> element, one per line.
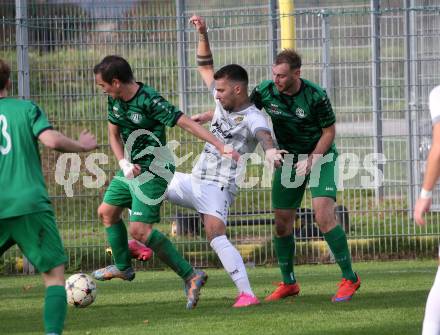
<point x="80" y="290"/>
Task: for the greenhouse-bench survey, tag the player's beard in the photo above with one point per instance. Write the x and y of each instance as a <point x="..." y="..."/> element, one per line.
<point x="227" y="108"/>
<point x="287" y="87"/>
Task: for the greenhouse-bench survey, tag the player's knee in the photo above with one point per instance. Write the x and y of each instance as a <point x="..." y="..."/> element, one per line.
<point x="140" y="231"/>
<point x="54" y="277"/>
<point x="102" y="212"/>
<point x="281" y="230"/>
<point x="106" y="215"/>
<point x="210" y="235"/>
<point x="283" y="224"/>
<point x="325" y="220"/>
<point x="214" y="227"/>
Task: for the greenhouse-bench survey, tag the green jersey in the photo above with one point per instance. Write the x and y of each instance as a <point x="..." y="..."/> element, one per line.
<point x="298" y="119"/>
<point x="147" y="110"/>
<point x="23" y="190"/>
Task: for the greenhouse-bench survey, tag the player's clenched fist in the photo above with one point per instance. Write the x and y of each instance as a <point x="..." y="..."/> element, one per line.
<point x="199" y="23"/>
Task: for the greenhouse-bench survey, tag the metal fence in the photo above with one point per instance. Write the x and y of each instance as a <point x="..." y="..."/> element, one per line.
<point x="378" y="62"/>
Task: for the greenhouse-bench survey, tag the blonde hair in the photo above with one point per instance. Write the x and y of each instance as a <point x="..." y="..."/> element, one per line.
<point x="289" y="56"/>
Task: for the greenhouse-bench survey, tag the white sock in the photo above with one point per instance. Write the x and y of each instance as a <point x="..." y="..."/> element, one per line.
<point x="431" y="323"/>
<point x="233" y="263"/>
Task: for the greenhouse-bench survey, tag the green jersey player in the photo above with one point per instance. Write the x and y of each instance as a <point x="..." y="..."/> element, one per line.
<point x="137" y="117"/>
<point x="26" y="214"/>
<point x="304" y="125"/>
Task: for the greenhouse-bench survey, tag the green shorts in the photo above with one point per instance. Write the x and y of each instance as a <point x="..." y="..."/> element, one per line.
<point x="287" y="191"/>
<point x="144" y="199"/>
<point x="37" y="237"/>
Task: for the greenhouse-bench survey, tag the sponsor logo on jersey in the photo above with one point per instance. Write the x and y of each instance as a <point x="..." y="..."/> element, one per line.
<point x="137" y="213"/>
<point x="274" y="109"/>
<point x="329" y="188"/>
<point x="238" y="119"/>
<point x="300" y="112"/>
<point x="216" y="128"/>
<point x="136" y="117"/>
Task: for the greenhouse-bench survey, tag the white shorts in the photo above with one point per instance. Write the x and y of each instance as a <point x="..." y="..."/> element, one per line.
<point x="187" y="191"/>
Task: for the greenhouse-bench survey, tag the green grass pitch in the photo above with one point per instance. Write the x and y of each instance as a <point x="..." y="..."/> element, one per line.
<point x="391" y="300"/>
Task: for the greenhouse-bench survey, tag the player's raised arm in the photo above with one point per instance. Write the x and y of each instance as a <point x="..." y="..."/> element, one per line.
<point x="205" y="63"/>
<point x="55" y="140"/>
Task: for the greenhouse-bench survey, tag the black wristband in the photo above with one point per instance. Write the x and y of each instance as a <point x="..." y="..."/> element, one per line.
<point x="204" y="60"/>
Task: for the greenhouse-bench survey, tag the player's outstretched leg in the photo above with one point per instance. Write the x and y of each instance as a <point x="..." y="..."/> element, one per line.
<point x="234" y="266"/>
<point x="193" y="286"/>
<point x="167" y="253"/>
<point x="111" y="271"/>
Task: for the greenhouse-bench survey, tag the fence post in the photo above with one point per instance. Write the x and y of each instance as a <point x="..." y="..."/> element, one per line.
<point x="326" y="72"/>
<point x="411" y="102"/>
<point x="377" y="92"/>
<point x="23" y="73"/>
<point x="287" y="24"/>
<point x="22" y="48"/>
<point x="273" y="42"/>
<point x="182" y="60"/>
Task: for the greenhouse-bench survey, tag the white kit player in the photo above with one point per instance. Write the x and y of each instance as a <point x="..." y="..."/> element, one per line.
<point x="211" y="187"/>
<point x="431" y="323"/>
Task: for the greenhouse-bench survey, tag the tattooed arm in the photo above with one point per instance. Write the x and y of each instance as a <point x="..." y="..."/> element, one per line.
<point x="273" y="156"/>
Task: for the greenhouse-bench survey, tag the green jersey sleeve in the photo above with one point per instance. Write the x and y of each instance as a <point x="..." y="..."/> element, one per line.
<point x="161" y="110"/>
<point x="323" y="110"/>
<point x="38" y="120"/>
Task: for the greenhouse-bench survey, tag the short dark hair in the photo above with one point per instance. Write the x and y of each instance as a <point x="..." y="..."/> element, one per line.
<point x="114" y="67"/>
<point x="232" y="72"/>
<point x="5" y="73"/>
<point x="289" y="56"/>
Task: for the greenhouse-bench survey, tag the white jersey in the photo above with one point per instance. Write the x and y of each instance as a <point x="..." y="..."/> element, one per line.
<point x="434" y="104"/>
<point x="236" y="129"/>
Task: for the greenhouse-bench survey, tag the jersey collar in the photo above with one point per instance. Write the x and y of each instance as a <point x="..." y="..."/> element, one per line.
<point x="136" y="94"/>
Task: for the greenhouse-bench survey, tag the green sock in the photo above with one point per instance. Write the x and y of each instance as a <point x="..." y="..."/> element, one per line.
<point x="168" y="254"/>
<point x="337" y="241"/>
<point x="55" y="307"/>
<point x="117" y="237"/>
<point x="284" y="249"/>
